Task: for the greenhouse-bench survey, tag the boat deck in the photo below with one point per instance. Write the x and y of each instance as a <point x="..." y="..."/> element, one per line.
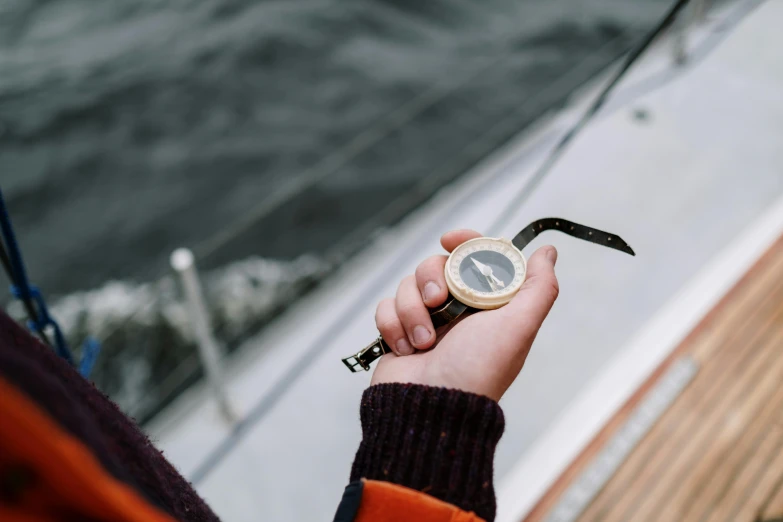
<point x="716" y="454"/>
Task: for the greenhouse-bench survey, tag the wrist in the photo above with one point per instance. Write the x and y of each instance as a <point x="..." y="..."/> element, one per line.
<point x="439" y="375"/>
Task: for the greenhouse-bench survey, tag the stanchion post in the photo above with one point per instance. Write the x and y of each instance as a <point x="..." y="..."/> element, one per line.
<point x="183" y="262"/>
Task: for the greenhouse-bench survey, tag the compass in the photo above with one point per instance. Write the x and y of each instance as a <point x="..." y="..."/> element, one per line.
<point x="486" y="273"/>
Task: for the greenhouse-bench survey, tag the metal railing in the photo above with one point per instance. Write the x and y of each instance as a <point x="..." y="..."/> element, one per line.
<point x="183" y="262"/>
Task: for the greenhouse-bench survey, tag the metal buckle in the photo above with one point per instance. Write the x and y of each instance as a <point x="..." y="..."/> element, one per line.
<point x="366" y="355"/>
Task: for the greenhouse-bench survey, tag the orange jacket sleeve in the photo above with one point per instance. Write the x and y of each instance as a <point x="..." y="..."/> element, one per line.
<point x="378" y="501"/>
<point x="47" y="474"/>
<point x="68" y="453"/>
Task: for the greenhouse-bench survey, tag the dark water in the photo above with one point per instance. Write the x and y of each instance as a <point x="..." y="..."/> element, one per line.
<point x="131" y="127"/>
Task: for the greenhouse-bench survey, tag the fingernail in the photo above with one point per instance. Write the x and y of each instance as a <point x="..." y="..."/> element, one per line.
<point x="431" y="290"/>
<point x="551" y="255"/>
<point x="404" y="347"/>
<point x="421" y="335"/>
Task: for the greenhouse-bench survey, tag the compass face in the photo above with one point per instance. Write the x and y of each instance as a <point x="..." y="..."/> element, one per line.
<point x="472" y="270"/>
<point x="485" y="272"/>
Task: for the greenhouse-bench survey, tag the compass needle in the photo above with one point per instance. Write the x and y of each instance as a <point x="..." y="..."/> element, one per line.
<point x="494" y="277"/>
<point x="486" y="271"/>
<point x="481" y="266"/>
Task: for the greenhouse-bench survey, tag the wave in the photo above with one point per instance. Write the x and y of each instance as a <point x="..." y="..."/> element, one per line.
<point x="148" y="349"/>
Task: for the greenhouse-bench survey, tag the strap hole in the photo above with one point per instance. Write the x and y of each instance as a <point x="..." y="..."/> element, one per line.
<point x="590" y="233"/>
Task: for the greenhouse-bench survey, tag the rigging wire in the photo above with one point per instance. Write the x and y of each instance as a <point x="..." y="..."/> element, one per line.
<point x="527" y="189"/>
<point x="6" y="262"/>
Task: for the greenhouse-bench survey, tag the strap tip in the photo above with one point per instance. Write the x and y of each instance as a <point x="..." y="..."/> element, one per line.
<point x="622" y="246"/>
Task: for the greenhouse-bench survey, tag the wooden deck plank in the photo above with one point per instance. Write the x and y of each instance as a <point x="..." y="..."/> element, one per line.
<point x="760" y="297"/>
<point x="713" y="477"/>
<point x="773" y="506"/>
<point x="717" y="453"/>
<point x="758" y="491"/>
<point x="756" y="477"/>
<point x="751" y="292"/>
<point x="673" y="460"/>
<point x="769" y="481"/>
<point x="692" y="413"/>
<point x="645" y="469"/>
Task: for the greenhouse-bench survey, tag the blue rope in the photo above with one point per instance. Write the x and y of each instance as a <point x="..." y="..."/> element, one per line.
<point x="43" y="320"/>
<point x="40" y="319"/>
<point x="90" y="351"/>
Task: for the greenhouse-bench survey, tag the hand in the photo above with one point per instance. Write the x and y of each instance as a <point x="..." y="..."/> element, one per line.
<point x="483" y="353"/>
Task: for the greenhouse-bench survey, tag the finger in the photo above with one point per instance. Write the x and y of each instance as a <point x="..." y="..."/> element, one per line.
<point x="532" y="303"/>
<point x="454" y="238"/>
<point x="431" y="281"/>
<point x="391" y="329"/>
<point x="414" y="315"/>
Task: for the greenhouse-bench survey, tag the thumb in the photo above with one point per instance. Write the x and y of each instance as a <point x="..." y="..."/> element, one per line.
<point x="532" y="303"/>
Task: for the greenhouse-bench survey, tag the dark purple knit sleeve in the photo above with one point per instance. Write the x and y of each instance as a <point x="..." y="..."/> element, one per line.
<point x="435" y="440"/>
<point x="80" y="409"/>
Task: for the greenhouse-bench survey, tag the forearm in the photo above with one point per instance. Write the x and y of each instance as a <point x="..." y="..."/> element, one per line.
<point x="434" y="440"/>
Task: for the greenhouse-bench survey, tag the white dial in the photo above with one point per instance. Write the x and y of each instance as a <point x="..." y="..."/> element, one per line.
<point x="485" y="272"/>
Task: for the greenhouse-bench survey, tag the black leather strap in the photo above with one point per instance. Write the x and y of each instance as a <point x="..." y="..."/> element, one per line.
<point x="593" y="235"/>
<point x="441" y="316"/>
<point x="362" y="359"/>
<point x="447" y="313"/>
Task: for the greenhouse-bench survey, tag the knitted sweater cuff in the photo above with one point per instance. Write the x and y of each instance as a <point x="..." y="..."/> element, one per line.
<point x="435" y="440"/>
